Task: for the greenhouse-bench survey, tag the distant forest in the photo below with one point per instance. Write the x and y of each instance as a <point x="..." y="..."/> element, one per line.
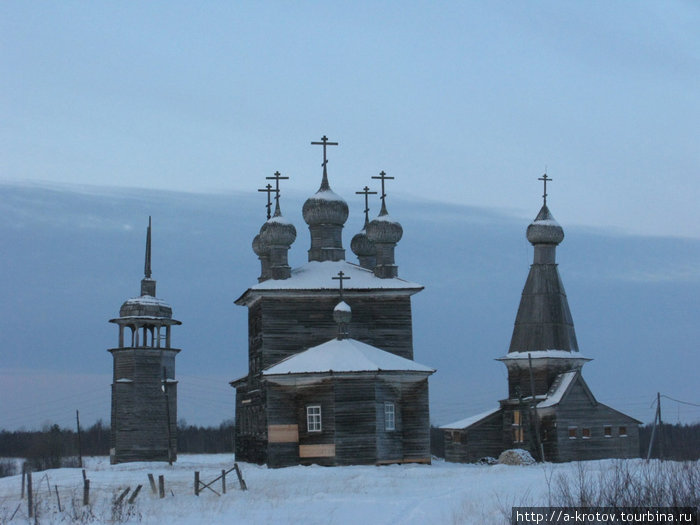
<point x="53" y="447"/>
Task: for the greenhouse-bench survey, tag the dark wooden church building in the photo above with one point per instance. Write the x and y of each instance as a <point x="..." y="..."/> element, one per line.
<point x="331" y="378"/>
<point x="550" y="410"/>
<point x="144" y="389"/>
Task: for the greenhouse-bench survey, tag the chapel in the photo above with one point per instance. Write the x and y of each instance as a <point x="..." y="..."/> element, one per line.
<point x="550" y="410"/>
<point x="331" y="377"/>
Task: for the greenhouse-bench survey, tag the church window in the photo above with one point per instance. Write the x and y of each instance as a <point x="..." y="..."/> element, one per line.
<point x="623" y="432"/>
<point x="313" y="418"/>
<point x="389" y="416"/>
<point x="573" y="432"/>
<point x="607" y="432"/>
<point x="586" y="433"/>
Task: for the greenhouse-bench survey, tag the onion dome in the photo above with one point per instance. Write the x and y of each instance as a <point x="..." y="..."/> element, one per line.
<point x="362" y="246"/>
<point x="383" y="229"/>
<point x="259" y="247"/>
<point x="277" y="231"/>
<point x="325" y="206"/>
<point x="545" y="229"/>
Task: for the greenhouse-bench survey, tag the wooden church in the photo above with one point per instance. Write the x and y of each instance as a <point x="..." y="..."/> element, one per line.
<point x="331" y="378"/>
<point x="550" y="410"/>
<point x="144" y="389"/>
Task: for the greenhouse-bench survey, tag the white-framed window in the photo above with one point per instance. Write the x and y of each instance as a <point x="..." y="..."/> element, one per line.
<point x="622" y="432"/>
<point x="313" y="418"/>
<point x="586" y="433"/>
<point x="607" y="431"/>
<point x="573" y="432"/>
<point x="389" y="416"/>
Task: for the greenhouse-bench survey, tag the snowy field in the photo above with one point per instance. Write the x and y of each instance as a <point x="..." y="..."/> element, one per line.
<point x="411" y="494"/>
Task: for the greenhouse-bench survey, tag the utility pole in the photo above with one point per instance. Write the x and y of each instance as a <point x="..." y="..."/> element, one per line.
<point x="80" y="448"/>
<point x="661" y="426"/>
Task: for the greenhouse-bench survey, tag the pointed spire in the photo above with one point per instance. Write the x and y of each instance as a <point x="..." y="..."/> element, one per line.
<point x="147" y="265"/>
<point x="148" y="285"/>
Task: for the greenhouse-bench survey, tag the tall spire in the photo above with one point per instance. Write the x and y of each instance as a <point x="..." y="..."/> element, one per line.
<point x="148" y="285"/>
<point x="147" y="265"/>
<point x="544" y="320"/>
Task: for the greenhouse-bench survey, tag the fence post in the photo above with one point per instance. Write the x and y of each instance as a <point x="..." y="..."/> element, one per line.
<point x="196" y="483"/>
<point x="30" y="496"/>
<point x="161" y="486"/>
<point x="152" y="482"/>
<point x="24" y="477"/>
<point x="86" y="492"/>
<point x="134" y="494"/>
<point x="240" y="477"/>
<point x="223" y="481"/>
<point x="58" y="499"/>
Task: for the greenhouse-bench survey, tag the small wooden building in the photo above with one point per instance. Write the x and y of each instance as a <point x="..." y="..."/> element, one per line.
<point x="144" y="389"/>
<point x="316" y="414"/>
<point x="550" y="410"/>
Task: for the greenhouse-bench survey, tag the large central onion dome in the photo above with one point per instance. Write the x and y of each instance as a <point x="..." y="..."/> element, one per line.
<point x="325" y="206"/>
<point x="545" y="229"/>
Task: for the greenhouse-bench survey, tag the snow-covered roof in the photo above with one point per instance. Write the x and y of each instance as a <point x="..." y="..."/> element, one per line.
<point x="554" y="396"/>
<point x="147" y="299"/>
<point x="317" y="275"/>
<point x="549" y="354"/>
<point x="467" y="422"/>
<point x="327" y="195"/>
<point x="344" y="355"/>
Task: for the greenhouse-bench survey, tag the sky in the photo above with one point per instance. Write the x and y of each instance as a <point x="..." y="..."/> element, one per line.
<point x="463" y="102"/>
<point x="115" y="111"/>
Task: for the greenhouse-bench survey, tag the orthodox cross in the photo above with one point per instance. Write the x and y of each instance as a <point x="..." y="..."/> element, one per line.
<point x="268" y="189"/>
<point x="324" y="142"/>
<point x="382" y="176"/>
<point x="341" y="277"/>
<point x="365" y="191"/>
<point x="277" y="177"/>
<point x="544" y="178"/>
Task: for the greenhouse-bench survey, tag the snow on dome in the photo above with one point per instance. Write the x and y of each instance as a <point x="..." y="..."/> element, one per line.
<point x="278" y="231"/>
<point x="145" y="306"/>
<point x="383" y="229"/>
<point x="544" y="354"/>
<point x="342" y="313"/>
<point x="317" y="275"/>
<point x="362" y="246"/>
<point x="344" y="355"/>
<point x="545" y="229"/>
<point x="342" y="306"/>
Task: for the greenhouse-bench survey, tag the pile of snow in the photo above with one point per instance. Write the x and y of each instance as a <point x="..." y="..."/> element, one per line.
<point x="516" y="456"/>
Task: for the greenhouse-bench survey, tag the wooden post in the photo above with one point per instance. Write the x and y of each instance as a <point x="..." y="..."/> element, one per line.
<point x="30" y="496"/>
<point x="24" y="477"/>
<point x="58" y="499"/>
<point x="80" y="448"/>
<point x="538" y="441"/>
<point x="196" y="483"/>
<point x="86" y="492"/>
<point x="661" y="426"/>
<point x="240" y="477"/>
<point x="122" y="495"/>
<point x="653" y="432"/>
<point x="152" y="482"/>
<point x="134" y="494"/>
<point x="84" y="475"/>
<point x="161" y="486"/>
<point x="223" y="481"/>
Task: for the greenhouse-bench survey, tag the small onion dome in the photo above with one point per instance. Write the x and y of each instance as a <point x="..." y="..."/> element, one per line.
<point x="545" y="229"/>
<point x="342" y="313"/>
<point x="146" y="306"/>
<point x="259" y="247"/>
<point x="362" y="246"/>
<point x="325" y="206"/>
<point x="384" y="230"/>
<point x="277" y="231"/>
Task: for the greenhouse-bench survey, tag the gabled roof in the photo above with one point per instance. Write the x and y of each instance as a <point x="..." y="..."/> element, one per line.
<point x="344" y="355"/>
<point x="559" y="388"/>
<point x="317" y="275"/>
<point x="467" y="422"/>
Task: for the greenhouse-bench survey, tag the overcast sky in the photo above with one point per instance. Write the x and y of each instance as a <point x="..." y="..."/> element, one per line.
<point x="464" y="102"/>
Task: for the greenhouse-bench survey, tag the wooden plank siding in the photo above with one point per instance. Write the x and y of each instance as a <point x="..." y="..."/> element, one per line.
<point x="483" y="438"/>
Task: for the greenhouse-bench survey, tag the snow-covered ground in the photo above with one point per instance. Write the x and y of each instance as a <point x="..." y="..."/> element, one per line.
<point x="365" y="495"/>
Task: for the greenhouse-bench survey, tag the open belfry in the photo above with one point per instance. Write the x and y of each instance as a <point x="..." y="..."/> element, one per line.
<point x="550" y="410"/>
<point x="144" y="389"/>
<point x="331" y="377"/>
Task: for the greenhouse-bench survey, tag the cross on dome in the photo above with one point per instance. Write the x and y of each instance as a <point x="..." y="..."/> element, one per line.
<point x="340" y="278"/>
<point x="365" y="191"/>
<point x="268" y="189"/>
<point x="544" y="178"/>
<point x="324" y="142"/>
<point x="383" y="177"/>
<point x="277" y="177"/>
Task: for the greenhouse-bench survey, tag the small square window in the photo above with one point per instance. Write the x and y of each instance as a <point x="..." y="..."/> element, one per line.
<point x="389" y="416"/>
<point x="573" y="432"/>
<point x="456" y="437"/>
<point x="623" y="432"/>
<point x="313" y="418"/>
<point x="586" y="433"/>
<point x="607" y="432"/>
